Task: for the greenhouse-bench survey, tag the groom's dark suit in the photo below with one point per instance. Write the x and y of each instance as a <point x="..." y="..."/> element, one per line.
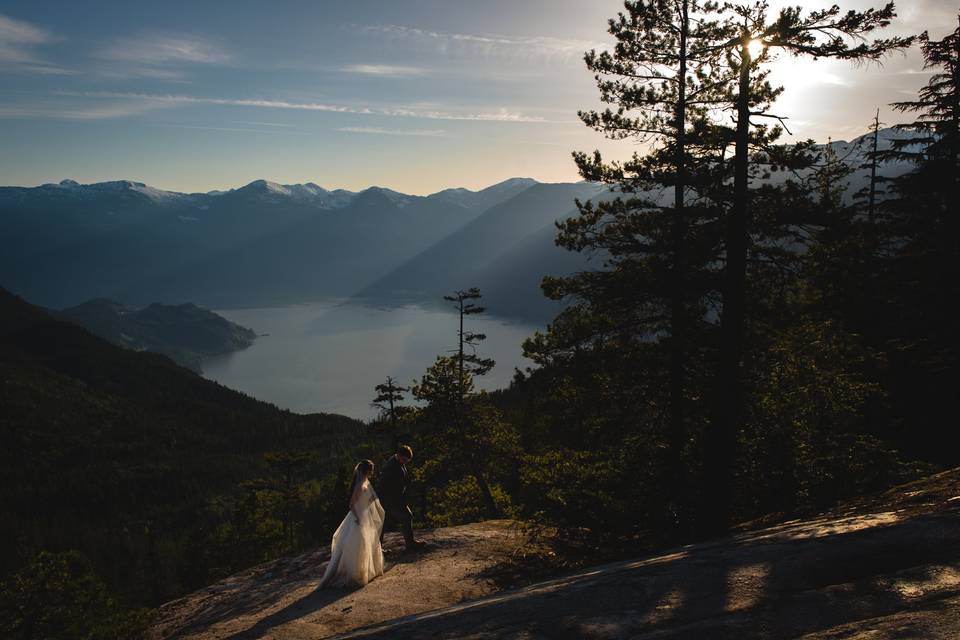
<point x="392" y="489"/>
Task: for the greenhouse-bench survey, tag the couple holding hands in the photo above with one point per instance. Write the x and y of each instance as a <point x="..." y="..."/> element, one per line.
<point x="356" y="554"/>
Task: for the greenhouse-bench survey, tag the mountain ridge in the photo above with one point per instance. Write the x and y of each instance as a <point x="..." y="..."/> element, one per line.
<point x="266" y="243"/>
<point x="186" y="333"/>
<point x="306" y="189"/>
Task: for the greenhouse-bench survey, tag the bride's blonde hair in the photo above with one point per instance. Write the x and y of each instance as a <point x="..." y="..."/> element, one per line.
<point x="361" y="471"/>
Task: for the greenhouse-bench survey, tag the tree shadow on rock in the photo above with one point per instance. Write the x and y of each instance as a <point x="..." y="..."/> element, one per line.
<point x="314" y="601"/>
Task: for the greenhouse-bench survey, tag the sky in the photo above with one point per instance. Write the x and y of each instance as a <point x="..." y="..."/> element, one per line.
<point x="414" y="95"/>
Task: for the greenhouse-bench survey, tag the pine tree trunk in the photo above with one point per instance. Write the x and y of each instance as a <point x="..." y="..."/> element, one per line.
<point x="490" y="505"/>
<point x="728" y="398"/>
<point x="677" y="434"/>
<point x="393" y="421"/>
<point x="955" y="121"/>
<point x="873" y="169"/>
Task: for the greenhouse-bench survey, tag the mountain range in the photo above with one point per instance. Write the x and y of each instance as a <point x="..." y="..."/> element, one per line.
<point x="262" y="243"/>
<point x="266" y="243"/>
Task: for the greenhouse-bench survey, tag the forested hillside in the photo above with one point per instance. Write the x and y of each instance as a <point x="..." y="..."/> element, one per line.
<point x="162" y="479"/>
<point x="185" y="333"/>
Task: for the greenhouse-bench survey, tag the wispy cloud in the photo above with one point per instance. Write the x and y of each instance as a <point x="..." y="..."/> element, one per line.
<point x="911" y="72"/>
<point x="425" y="133"/>
<point x="529" y="47"/>
<point x="19" y="39"/>
<point x="178" y="125"/>
<point x="90" y="112"/>
<point x="128" y="72"/>
<point x="385" y="70"/>
<point x="261" y="124"/>
<point x="159" y="56"/>
<point x="19" y="44"/>
<point x="500" y="115"/>
<point x="159" y="49"/>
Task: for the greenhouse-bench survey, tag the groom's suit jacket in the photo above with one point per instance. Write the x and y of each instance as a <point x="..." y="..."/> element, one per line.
<point x="392" y="484"/>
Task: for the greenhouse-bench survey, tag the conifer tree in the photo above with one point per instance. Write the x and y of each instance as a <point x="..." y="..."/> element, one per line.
<point x="388" y="399"/>
<point x="468" y="362"/>
<point x="465" y="435"/>
<point x="921" y="263"/>
<point x="872" y="164"/>
<point x="935" y="142"/>
<point x="285" y="467"/>
<point x="662" y="78"/>
<point x="435" y="387"/>
<point x="828" y="33"/>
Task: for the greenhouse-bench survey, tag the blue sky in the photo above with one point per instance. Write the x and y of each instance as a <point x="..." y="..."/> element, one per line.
<point x="416" y="95"/>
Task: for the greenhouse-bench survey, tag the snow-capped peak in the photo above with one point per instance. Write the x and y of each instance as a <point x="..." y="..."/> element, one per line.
<point x="266" y="186"/>
<point x="73" y="189"/>
<point x="309" y="192"/>
<point x="399" y="199"/>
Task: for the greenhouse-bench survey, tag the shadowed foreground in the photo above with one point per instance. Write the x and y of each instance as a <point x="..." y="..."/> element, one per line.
<point x="884" y="568"/>
<point x="280" y="599"/>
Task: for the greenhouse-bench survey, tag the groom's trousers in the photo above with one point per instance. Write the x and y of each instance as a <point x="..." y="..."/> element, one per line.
<point x="399" y="514"/>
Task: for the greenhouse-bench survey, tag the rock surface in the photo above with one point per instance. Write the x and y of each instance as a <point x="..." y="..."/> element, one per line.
<point x="280" y="599"/>
<point x="883" y="568"/>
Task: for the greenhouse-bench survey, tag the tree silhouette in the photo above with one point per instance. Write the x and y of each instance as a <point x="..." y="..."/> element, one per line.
<point x="829" y="33"/>
<point x="468" y="362"/>
<point x="663" y="76"/>
<point x="285" y="467"/>
<point x="435" y="389"/>
<point x="921" y="261"/>
<point x="388" y="399"/>
<point x="872" y="164"/>
<point x="463" y="430"/>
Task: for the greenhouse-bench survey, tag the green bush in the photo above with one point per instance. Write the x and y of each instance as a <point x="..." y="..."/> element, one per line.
<point x="57" y="596"/>
<point x="459" y="502"/>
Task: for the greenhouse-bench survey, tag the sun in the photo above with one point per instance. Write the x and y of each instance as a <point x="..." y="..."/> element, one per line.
<point x="755" y="47"/>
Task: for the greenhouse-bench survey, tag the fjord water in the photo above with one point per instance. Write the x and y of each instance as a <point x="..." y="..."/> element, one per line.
<point x="328" y="356"/>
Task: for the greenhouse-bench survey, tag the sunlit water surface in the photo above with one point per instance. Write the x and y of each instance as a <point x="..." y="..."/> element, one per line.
<point x="328" y="356"/>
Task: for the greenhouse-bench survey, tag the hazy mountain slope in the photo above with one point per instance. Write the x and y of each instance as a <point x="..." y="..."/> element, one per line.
<point x="39" y="220"/>
<point x="485" y="198"/>
<point x="68" y="243"/>
<point x="86" y="241"/>
<point x="511" y="284"/>
<point x="456" y="261"/>
<point x="333" y="254"/>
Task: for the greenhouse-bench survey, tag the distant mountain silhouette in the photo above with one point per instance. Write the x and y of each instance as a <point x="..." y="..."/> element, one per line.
<point x="506" y="250"/>
<point x="186" y="333"/>
<point x="267" y="243"/>
<point x="264" y="242"/>
<point x="485" y="198"/>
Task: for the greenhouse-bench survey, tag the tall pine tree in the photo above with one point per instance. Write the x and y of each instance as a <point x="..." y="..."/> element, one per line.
<point x="829" y="33"/>
<point x="654" y="234"/>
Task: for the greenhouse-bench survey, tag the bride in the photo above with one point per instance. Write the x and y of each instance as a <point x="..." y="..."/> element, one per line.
<point x="356" y="556"/>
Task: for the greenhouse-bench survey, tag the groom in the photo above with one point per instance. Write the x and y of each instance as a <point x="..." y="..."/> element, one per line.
<point x="392" y="489"/>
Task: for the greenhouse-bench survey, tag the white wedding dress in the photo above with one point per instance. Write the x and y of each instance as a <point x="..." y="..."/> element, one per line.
<point x="356" y="556"/>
